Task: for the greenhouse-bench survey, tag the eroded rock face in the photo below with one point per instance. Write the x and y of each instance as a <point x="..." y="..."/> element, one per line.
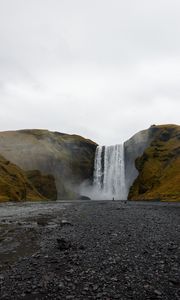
<point x="159" y="166"/>
<point x="69" y="158"/>
<point x="133" y="148"/>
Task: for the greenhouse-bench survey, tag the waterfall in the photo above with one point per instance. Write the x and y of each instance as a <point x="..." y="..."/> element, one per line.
<point x="109" y="173"/>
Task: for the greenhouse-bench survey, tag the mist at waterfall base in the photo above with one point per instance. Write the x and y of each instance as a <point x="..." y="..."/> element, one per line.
<point x="109" y="174"/>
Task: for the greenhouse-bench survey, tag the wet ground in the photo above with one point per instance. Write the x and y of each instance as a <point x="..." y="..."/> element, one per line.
<point x="90" y="250"/>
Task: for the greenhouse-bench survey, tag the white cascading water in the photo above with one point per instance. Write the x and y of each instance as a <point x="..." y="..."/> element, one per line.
<point x="109" y="173"/>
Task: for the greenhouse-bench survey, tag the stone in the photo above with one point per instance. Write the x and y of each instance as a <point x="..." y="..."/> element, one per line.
<point x="64" y="244"/>
<point x="157" y="292"/>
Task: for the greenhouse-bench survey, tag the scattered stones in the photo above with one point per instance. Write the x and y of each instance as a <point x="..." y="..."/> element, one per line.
<point x="108" y="253"/>
<point x="175" y="281"/>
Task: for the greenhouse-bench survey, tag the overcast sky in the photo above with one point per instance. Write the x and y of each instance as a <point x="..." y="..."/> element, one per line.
<point x="104" y="69"/>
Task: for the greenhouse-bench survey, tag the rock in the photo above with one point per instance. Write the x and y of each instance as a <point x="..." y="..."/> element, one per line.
<point x="175" y="281"/>
<point x="81" y="247"/>
<point x="65" y="222"/>
<point x="95" y="287"/>
<point x="63" y="244"/>
<point x="158" y="293"/>
<point x="81" y="197"/>
<point x="23" y="295"/>
<point x="61" y="285"/>
<point x="172" y="246"/>
<point x="117" y="296"/>
<point x="147" y="286"/>
<point x="42" y="222"/>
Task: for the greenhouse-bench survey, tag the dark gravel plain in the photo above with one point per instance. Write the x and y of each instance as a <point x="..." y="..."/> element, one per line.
<point x="92" y="250"/>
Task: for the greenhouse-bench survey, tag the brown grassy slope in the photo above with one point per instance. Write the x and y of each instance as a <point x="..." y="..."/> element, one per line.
<point x="44" y="184"/>
<point x="14" y="185"/>
<point x="159" y="167"/>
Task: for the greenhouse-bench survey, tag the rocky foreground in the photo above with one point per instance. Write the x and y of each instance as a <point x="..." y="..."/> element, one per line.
<point x="92" y="250"/>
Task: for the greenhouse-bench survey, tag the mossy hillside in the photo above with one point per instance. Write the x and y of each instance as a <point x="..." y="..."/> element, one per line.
<point x="159" y="167"/>
<point x="69" y="158"/>
<point x="14" y="185"/>
<point x="44" y="184"/>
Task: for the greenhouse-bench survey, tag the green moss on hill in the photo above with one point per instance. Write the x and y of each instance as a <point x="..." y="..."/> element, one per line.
<point x="159" y="167"/>
<point x="15" y="185"/>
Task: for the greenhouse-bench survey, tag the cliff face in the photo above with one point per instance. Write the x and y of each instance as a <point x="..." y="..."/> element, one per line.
<point x="14" y="184"/>
<point x="69" y="158"/>
<point x="133" y="148"/>
<point x="159" y="166"/>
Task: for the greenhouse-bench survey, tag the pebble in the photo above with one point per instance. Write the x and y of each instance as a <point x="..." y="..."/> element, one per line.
<point x="158" y="293"/>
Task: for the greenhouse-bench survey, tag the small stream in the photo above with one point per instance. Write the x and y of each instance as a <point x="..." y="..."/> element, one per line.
<point x="18" y="210"/>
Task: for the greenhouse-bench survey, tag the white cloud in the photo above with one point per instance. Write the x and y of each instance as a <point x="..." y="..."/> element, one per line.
<point x="102" y="69"/>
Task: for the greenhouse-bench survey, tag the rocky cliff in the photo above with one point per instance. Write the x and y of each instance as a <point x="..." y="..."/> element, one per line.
<point x="16" y="186"/>
<point x="69" y="158"/>
<point x="133" y="148"/>
<point x="158" y="167"/>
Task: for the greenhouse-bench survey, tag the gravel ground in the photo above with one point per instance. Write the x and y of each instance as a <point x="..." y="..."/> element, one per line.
<point x="92" y="250"/>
